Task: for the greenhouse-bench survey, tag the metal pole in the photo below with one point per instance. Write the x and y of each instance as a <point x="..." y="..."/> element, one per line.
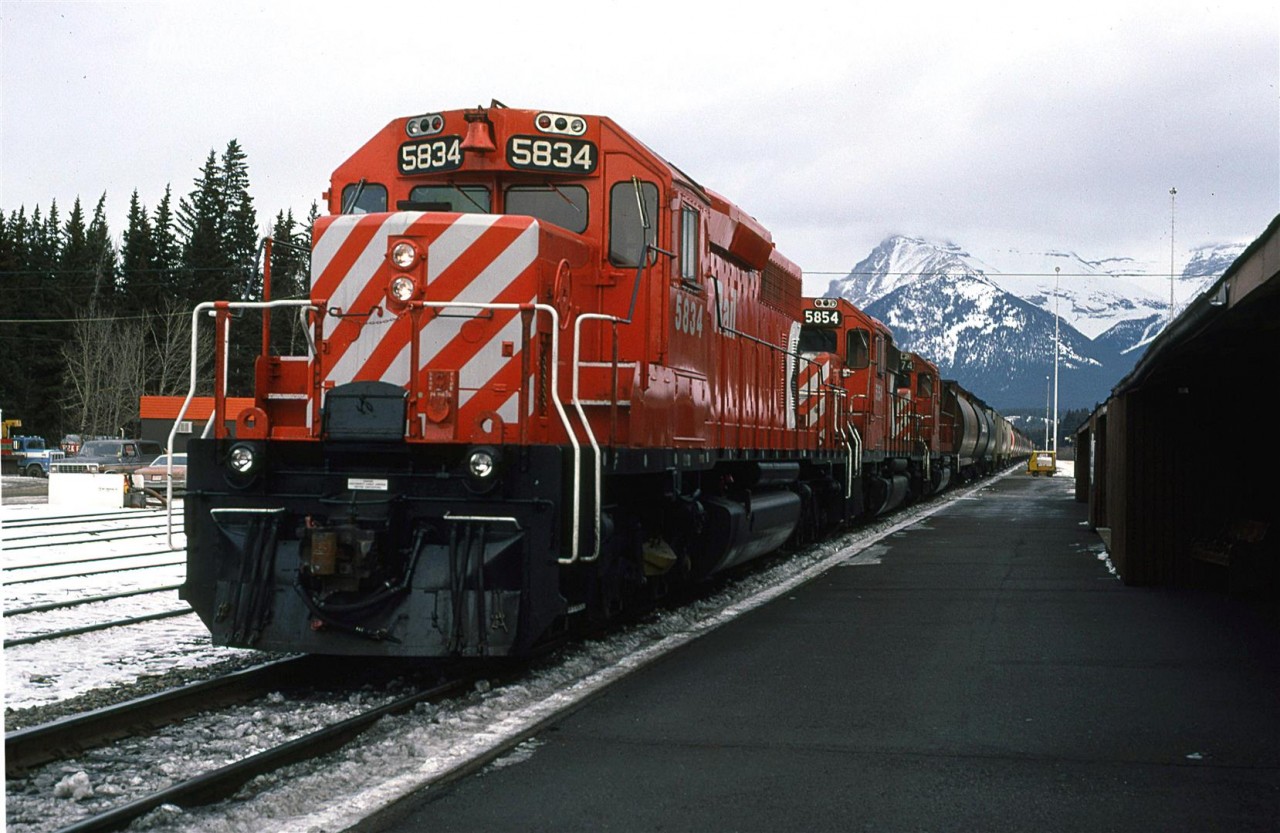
<point x="1056" y="350"/>
<point x="1173" y="198"/>
<point x="1046" y="412"/>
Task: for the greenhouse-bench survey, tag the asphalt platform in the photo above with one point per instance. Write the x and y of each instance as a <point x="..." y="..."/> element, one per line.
<point x="988" y="674"/>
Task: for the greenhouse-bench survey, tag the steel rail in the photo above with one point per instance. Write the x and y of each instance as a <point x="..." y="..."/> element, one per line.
<point x="98" y="540"/>
<point x="8" y="583"/>
<point x="223" y="782"/>
<point x="35" y="745"/>
<point x="84" y="600"/>
<point x="102" y="626"/>
<point x="60" y="520"/>
<point x="93" y="560"/>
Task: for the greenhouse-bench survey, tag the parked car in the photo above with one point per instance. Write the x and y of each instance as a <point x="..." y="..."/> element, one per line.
<point x="98" y="456"/>
<point x="153" y="475"/>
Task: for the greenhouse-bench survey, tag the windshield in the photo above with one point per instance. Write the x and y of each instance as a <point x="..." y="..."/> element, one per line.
<point x="467" y="199"/>
<point x="563" y="205"/>
<point x="818" y="340"/>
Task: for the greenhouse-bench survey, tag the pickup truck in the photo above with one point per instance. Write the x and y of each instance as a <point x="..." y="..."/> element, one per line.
<point x="31" y="458"/>
<point x="109" y="456"/>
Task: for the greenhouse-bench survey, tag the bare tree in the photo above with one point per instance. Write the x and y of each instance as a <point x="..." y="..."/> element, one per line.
<point x="106" y="369"/>
<point x="170" y="357"/>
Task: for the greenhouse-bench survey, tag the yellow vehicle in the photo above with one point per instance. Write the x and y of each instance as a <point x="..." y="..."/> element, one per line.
<point x="1042" y="462"/>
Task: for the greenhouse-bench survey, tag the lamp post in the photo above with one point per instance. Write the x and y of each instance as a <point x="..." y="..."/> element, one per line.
<point x="1056" y="350"/>
<point x="1046" y="412"/>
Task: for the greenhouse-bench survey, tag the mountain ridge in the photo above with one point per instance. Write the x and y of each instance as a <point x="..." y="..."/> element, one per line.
<point x="991" y="326"/>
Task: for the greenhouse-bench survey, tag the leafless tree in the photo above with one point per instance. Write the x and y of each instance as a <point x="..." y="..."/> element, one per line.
<point x="106" y="366"/>
<point x="170" y="358"/>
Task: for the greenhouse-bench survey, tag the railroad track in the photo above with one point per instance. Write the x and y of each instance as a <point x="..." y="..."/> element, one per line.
<point x="9" y="581"/>
<point x="81" y="518"/>
<point x="72" y="537"/>
<point x="28" y="749"/>
<point x="35" y="745"/>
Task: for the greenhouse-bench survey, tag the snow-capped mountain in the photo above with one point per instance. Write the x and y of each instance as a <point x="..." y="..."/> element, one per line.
<point x="992" y="326"/>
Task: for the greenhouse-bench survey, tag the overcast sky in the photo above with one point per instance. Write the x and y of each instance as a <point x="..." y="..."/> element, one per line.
<point x="1021" y="125"/>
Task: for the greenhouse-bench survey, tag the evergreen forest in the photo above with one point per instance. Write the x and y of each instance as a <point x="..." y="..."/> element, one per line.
<point x="89" y="326"/>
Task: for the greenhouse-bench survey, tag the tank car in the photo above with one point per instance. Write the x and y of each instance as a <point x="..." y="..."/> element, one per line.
<point x="548" y="374"/>
<point x="966" y="430"/>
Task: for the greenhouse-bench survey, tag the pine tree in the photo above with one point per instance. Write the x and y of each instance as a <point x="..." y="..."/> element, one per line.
<point x="289" y="261"/>
<point x="140" y="287"/>
<point x="206" y="265"/>
<point x="103" y="257"/>
<point x="33" y="295"/>
<point x="240" y="230"/>
<point x="75" y="266"/>
<point x="166" y="249"/>
<point x="14" y="344"/>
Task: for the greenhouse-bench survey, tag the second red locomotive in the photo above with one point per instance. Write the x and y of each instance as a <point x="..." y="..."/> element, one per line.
<point x="549" y="374"/>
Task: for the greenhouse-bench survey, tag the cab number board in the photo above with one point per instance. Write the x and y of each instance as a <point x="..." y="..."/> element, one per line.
<point x="429" y="156"/>
<point x="823" y="317"/>
<point x="535" y="153"/>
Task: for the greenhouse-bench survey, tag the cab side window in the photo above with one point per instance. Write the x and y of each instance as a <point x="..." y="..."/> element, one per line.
<point x="858" y="349"/>
<point x="364" y="198"/>
<point x="690" y="245"/>
<point x="627" y="236"/>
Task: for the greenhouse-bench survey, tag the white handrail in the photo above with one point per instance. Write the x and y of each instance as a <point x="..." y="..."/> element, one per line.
<point x="191" y="390"/>
<point x="555" y="397"/>
<point x="577" y="404"/>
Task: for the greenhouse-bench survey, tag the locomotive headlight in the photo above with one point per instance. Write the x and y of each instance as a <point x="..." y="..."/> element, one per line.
<point x="402" y="288"/>
<point x="242" y="459"/>
<point x="481" y="464"/>
<point x="404" y="255"/>
<point x="481" y="469"/>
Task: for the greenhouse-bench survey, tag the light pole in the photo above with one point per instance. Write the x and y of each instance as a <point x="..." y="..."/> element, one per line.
<point x="1046" y="412"/>
<point x="1173" y="202"/>
<point x="1056" y="350"/>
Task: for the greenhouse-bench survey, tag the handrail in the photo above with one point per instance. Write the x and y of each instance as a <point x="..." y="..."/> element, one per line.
<point x="205" y="306"/>
<point x="485" y="519"/>
<point x="555" y="396"/>
<point x="856" y="461"/>
<point x="582" y="415"/>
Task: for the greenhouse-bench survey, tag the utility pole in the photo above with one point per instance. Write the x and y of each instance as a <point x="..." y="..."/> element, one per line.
<point x="1056" y="349"/>
<point x="1046" y="412"/>
<point x="1173" y="201"/>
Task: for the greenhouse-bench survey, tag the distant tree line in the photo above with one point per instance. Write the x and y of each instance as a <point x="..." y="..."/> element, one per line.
<point x="88" y="327"/>
<point x="1037" y="424"/>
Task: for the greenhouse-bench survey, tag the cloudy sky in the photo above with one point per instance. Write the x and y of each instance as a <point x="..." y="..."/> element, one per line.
<point x="992" y="125"/>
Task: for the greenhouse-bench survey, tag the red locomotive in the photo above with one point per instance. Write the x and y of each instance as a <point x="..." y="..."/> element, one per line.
<point x="549" y="375"/>
<point x="914" y="432"/>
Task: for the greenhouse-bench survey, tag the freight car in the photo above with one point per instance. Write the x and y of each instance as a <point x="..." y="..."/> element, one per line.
<point x="550" y="375"/>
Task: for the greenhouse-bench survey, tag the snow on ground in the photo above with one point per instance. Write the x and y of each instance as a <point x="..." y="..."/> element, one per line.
<point x="49" y="672"/>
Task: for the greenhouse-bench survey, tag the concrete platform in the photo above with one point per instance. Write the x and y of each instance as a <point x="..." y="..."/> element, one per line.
<point x="989" y="674"/>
